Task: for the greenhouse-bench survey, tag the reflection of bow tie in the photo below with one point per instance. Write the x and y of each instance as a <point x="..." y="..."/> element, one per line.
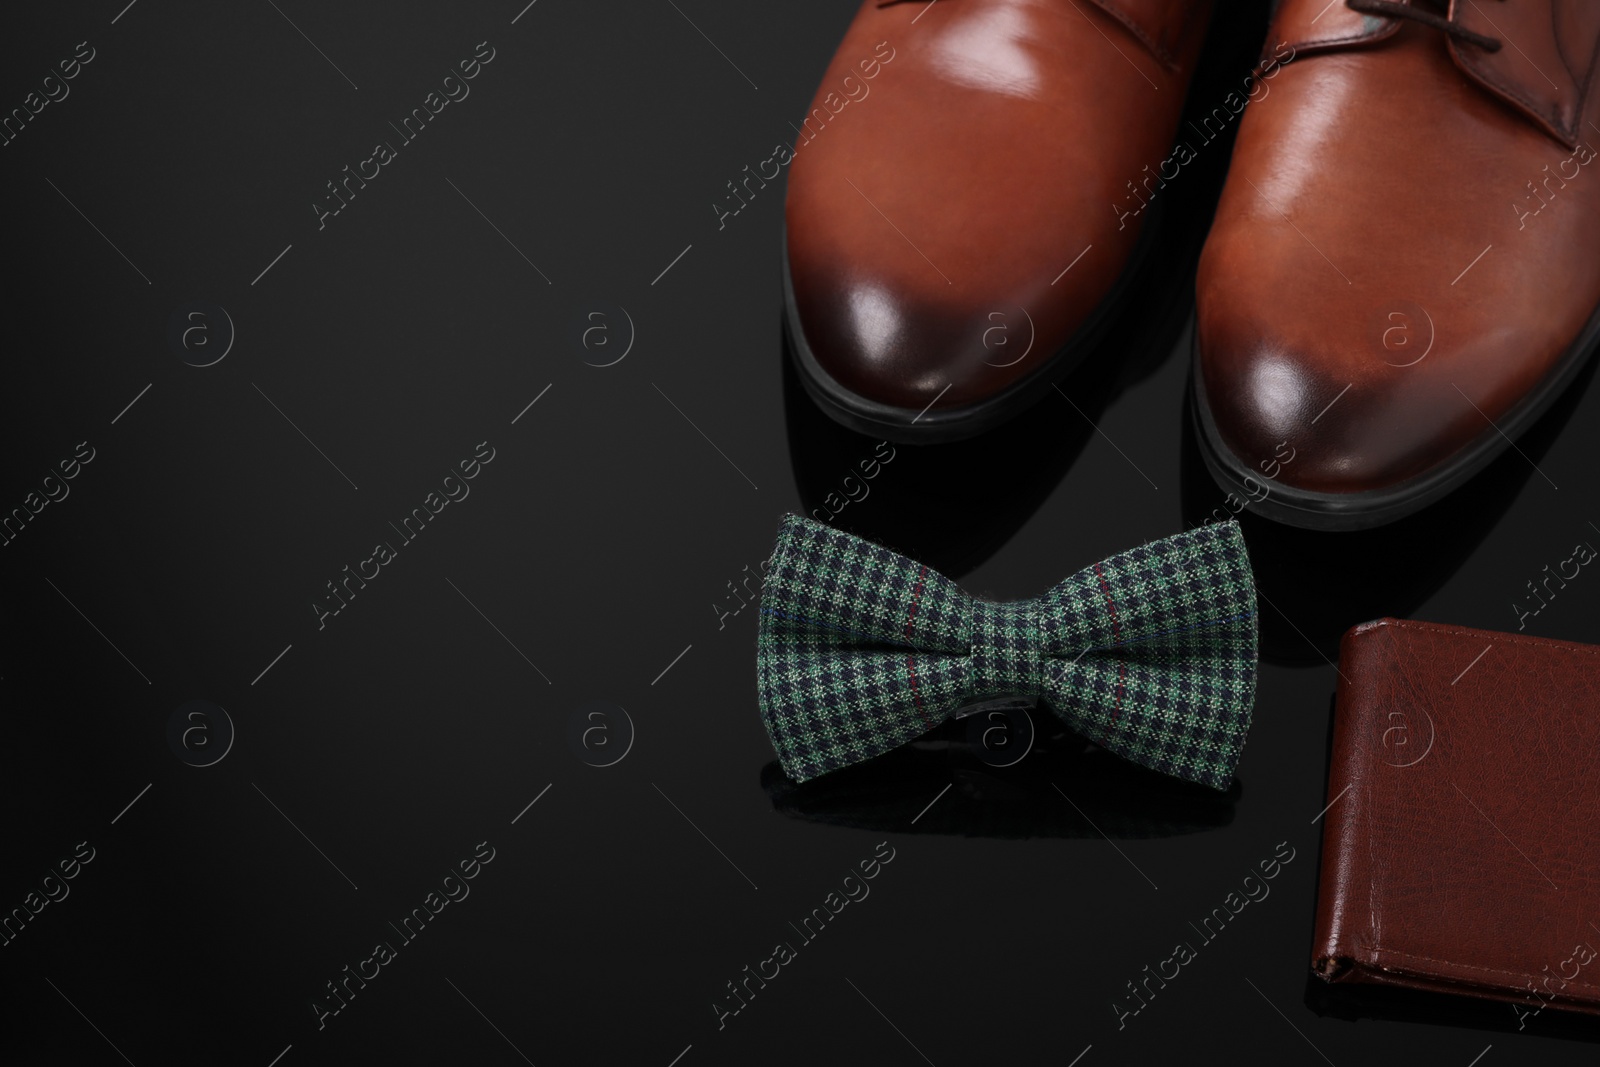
<point x="1151" y="653"/>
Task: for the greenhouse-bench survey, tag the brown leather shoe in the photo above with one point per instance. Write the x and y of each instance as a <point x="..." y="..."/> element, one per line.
<point x="966" y="193"/>
<point x="1404" y="269"/>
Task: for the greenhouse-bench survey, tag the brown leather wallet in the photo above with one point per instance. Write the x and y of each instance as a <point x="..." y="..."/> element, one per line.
<point x="1459" y="852"/>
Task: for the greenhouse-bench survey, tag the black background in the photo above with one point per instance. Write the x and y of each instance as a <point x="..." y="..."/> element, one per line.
<point x="600" y="541"/>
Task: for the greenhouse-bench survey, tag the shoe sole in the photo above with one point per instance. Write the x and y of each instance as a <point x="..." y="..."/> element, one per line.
<point x="930" y="426"/>
<point x="1378" y="507"/>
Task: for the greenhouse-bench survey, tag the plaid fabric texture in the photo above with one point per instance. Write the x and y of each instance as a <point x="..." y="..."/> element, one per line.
<point x="1151" y="653"/>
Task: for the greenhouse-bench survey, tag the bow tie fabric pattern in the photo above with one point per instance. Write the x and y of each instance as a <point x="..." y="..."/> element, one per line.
<point x="1151" y="653"/>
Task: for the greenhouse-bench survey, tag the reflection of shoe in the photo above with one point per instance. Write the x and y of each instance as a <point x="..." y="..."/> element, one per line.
<point x="1402" y="273"/>
<point x="966" y="192"/>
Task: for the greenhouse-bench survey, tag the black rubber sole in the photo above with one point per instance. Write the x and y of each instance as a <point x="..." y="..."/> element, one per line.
<point x="934" y="425"/>
<point x="1378" y="507"/>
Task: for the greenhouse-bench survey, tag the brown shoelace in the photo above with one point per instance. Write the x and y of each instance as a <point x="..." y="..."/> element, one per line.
<point x="1443" y="23"/>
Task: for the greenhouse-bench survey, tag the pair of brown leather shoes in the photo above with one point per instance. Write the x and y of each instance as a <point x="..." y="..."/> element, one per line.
<point x="1403" y="271"/>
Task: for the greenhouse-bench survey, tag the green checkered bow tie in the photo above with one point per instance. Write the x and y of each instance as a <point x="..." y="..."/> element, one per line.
<point x="1151" y="653"/>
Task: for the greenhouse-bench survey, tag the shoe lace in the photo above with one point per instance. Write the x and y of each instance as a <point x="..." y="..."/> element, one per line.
<point x="1443" y="23"/>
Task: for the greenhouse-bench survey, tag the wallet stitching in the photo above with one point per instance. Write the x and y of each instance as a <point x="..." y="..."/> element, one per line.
<point x="1486" y="970"/>
<point x="1561" y="646"/>
<point x="1374" y="889"/>
<point x="1538" y="642"/>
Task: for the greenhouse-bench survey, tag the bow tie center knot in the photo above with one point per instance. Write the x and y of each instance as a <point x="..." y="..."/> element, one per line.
<point x="1006" y="656"/>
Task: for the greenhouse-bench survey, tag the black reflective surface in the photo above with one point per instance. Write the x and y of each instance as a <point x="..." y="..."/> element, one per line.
<point x="519" y="750"/>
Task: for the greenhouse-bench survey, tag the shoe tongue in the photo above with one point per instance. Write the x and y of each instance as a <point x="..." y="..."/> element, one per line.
<point x="1543" y="71"/>
<point x="1161" y="26"/>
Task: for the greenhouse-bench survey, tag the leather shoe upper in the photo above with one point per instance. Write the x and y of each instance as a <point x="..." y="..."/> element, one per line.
<point x="935" y="202"/>
<point x="1406" y="244"/>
